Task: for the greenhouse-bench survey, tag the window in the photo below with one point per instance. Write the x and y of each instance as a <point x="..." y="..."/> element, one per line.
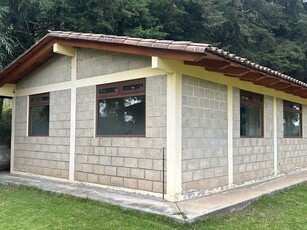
<point x="292" y="119"/>
<point x="251" y="114"/>
<point x="121" y="109"/>
<point x="39" y="115"/>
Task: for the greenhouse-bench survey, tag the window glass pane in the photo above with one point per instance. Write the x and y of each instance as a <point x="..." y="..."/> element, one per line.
<point x="292" y="124"/>
<point x="34" y="100"/>
<point x="45" y="98"/>
<point x="251" y="120"/>
<point x="133" y="87"/>
<point x="40" y="120"/>
<point x="108" y="90"/>
<point x="122" y="116"/>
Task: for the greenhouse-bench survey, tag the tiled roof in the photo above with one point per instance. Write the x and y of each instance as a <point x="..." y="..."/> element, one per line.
<point x="200" y="54"/>
<point x="187" y="46"/>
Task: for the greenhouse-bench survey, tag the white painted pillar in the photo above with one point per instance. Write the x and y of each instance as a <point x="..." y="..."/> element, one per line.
<point x="230" y="134"/>
<point x="174" y="126"/>
<point x="13" y="125"/>
<point x="71" y="52"/>
<point x="275" y="135"/>
<point x="73" y="102"/>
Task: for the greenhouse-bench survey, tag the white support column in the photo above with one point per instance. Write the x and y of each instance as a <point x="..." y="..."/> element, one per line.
<point x="275" y="135"/>
<point x="174" y="126"/>
<point x="13" y="134"/>
<point x="230" y="134"/>
<point x="73" y="102"/>
<point x="71" y="52"/>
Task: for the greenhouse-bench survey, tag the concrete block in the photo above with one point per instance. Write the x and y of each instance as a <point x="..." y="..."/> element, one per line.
<point x="130" y="183"/>
<point x="152" y="175"/>
<point x="145" y="185"/>
<point x="103" y="179"/>
<point x="87" y="168"/>
<point x="93" y="159"/>
<point x="92" y="178"/>
<point x="131" y="162"/>
<point x="110" y="170"/>
<point x="137" y="173"/>
<point x="123" y="172"/>
<point x="145" y="163"/>
<point x="98" y="169"/>
<point x="157" y="187"/>
<point x="117" y="181"/>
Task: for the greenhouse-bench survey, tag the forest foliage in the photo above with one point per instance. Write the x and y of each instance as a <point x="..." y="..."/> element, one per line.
<point x="272" y="33"/>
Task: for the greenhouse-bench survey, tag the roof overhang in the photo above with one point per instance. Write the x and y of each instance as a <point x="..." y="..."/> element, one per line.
<point x="202" y="55"/>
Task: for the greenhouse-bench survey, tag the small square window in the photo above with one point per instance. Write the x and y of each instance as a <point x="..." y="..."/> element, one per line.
<point x="292" y="119"/>
<point x="39" y="115"/>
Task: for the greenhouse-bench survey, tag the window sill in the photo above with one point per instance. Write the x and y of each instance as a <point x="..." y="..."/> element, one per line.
<point x="102" y="136"/>
<point x="38" y="135"/>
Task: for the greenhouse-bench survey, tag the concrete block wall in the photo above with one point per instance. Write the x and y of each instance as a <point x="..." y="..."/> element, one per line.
<point x="93" y="63"/>
<point x="204" y="135"/>
<point x="48" y="156"/>
<point x="128" y="162"/>
<point x="292" y="152"/>
<point x="56" y="70"/>
<point x="253" y="157"/>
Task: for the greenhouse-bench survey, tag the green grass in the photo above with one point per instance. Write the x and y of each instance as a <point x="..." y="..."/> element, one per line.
<point x="30" y="208"/>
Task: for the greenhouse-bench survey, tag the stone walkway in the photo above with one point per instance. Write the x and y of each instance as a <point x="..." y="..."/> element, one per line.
<point x="190" y="210"/>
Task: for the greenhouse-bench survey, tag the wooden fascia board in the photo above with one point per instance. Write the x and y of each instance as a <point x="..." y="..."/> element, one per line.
<point x="281" y="85"/>
<point x="31" y="62"/>
<point x="301" y="92"/>
<point x="292" y="89"/>
<point x="268" y="80"/>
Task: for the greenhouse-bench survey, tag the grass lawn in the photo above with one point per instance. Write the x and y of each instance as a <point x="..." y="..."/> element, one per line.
<point x="30" y="208"/>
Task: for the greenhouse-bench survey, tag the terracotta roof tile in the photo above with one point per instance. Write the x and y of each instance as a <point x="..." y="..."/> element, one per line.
<point x="118" y="39"/>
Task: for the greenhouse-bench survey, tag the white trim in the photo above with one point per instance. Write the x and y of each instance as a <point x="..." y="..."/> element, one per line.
<point x="119" y="76"/>
<point x="92" y="81"/>
<point x="64" y="50"/>
<point x="7" y="90"/>
<point x="95" y="116"/>
<point x="174" y="128"/>
<point x="71" y="52"/>
<point x="230" y="134"/>
<point x="44" y="88"/>
<point x="154" y="62"/>
<point x="12" y="162"/>
<point x="27" y="115"/>
<point x="275" y="136"/>
<point x="72" y="145"/>
<point x="73" y="102"/>
<point x="200" y="72"/>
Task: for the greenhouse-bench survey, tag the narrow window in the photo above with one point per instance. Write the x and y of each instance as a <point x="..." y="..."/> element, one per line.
<point x="121" y="109"/>
<point x="251" y="114"/>
<point x="292" y="119"/>
<point x="39" y="115"/>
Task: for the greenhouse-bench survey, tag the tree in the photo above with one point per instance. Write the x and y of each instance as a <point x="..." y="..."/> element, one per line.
<point x="5" y="40"/>
<point x="269" y="32"/>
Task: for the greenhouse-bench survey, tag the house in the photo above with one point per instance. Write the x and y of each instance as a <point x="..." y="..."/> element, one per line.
<point x="152" y="116"/>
